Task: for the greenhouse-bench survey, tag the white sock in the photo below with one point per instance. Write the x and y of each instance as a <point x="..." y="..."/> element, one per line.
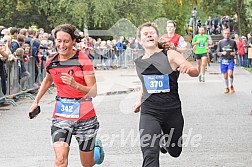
<point x="231" y="81"/>
<point x="226" y="82"/>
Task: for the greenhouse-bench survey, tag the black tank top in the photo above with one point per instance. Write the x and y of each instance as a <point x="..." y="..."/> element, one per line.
<point x="158" y="64"/>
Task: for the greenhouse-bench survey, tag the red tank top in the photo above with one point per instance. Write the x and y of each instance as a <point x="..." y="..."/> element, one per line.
<point x="78" y="66"/>
<point x="174" y="39"/>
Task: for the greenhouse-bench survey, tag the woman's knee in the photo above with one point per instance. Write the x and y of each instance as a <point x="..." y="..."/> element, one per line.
<point x="61" y="160"/>
<point x="61" y="150"/>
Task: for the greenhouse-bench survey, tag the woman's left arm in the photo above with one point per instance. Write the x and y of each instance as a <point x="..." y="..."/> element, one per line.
<point x="187" y="67"/>
<point x="178" y="62"/>
<point x="90" y="89"/>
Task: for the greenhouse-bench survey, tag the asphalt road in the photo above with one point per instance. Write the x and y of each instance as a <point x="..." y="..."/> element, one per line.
<point x="217" y="132"/>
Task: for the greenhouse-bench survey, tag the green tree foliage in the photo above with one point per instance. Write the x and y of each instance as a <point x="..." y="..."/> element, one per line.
<point x="179" y="11"/>
<point x="96" y="14"/>
<point x="104" y="14"/>
<point x="231" y="8"/>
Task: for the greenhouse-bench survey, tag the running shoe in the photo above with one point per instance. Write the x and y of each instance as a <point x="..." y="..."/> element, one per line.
<point x="199" y="78"/>
<point x="163" y="150"/>
<point x="98" y="152"/>
<point x="232" y="89"/>
<point x="203" y="79"/>
<point x="163" y="147"/>
<point x="226" y="90"/>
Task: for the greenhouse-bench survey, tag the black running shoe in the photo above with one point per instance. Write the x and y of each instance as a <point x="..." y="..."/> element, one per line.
<point x="163" y="150"/>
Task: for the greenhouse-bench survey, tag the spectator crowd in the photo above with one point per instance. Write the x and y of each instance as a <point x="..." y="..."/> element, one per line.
<point x="23" y="53"/>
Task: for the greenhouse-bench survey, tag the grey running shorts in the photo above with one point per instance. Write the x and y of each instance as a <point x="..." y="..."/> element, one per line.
<point x="85" y="132"/>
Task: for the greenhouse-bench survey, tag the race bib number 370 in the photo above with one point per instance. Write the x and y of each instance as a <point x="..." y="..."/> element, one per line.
<point x="157" y="83"/>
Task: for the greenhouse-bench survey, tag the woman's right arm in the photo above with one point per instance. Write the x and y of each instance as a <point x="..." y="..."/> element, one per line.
<point x="136" y="106"/>
<point x="47" y="82"/>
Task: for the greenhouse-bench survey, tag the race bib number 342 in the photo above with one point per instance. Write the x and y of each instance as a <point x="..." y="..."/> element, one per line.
<point x="68" y="108"/>
<point x="157" y="83"/>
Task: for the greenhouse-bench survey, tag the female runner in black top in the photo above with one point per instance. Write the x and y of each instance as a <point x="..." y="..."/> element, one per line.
<point x="161" y="117"/>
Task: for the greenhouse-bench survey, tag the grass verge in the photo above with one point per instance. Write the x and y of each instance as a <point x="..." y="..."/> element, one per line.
<point x="249" y="70"/>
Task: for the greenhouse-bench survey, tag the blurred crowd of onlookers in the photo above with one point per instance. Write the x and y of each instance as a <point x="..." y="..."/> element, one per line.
<point x="20" y="46"/>
<point x="111" y="54"/>
<point x="214" y="25"/>
<point x="244" y="44"/>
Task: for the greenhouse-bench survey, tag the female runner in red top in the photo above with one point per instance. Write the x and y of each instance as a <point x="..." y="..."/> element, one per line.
<point x="72" y="73"/>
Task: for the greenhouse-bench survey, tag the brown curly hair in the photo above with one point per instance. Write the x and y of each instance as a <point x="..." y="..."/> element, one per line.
<point x="71" y="30"/>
